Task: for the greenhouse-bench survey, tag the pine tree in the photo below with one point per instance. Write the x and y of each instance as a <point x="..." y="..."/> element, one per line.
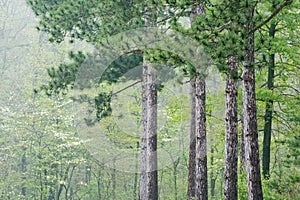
<point x="250" y="133"/>
<point x="231" y="137"/>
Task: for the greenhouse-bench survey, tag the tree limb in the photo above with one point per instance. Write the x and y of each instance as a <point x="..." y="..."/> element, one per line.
<point x="131" y="85"/>
<point x="272" y="15"/>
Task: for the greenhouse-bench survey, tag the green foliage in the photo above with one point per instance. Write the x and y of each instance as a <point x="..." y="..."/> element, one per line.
<point x="222" y="30"/>
<point x="40" y="132"/>
<point x="86" y="20"/>
<point x="102" y="102"/>
<point x="63" y="77"/>
<point x="242" y="186"/>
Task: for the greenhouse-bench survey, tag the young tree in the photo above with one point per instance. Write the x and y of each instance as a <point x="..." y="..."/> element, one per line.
<point x="268" y="111"/>
<point x="250" y="132"/>
<point x="272" y="28"/>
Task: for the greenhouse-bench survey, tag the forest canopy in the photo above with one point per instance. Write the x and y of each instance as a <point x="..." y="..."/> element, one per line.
<point x="109" y="99"/>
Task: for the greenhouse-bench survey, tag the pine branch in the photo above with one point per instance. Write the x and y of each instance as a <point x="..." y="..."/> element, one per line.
<point x="272" y="15"/>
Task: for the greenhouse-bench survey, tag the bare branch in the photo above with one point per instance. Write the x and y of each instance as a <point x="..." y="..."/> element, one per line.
<point x="131" y="85"/>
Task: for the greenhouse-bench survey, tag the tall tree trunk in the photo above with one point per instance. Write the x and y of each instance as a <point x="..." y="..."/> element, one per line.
<point x="249" y="118"/>
<point x="231" y="136"/>
<point x="268" y="112"/>
<point x="192" y="149"/>
<point x="201" y="154"/>
<point x="148" y="178"/>
<point x="197" y="186"/>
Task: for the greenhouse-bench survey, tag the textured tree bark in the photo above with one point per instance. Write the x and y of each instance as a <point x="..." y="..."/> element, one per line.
<point x="201" y="154"/>
<point x="231" y="136"/>
<point x="148" y="167"/>
<point x="250" y="121"/>
<point x="148" y="178"/>
<point x="201" y="186"/>
<point x="192" y="148"/>
<point x="268" y="112"/>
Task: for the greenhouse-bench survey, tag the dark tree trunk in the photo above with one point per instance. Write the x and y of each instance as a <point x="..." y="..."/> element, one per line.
<point x="212" y="177"/>
<point x="148" y="178"/>
<point x="201" y="155"/>
<point x="268" y="112"/>
<point x="231" y="136"/>
<point x="249" y="119"/>
<point x="192" y="149"/>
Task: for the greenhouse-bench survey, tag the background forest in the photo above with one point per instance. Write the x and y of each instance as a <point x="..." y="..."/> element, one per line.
<point x="42" y="152"/>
